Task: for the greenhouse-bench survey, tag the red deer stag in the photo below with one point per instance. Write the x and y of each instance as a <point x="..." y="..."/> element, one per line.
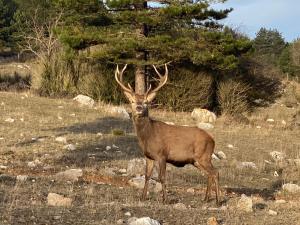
<point x="163" y="143"/>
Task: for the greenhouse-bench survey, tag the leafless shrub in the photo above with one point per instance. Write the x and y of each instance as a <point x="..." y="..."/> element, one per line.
<point x="233" y="97"/>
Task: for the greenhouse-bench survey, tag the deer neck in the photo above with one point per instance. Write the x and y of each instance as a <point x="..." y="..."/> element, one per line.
<point x="143" y="128"/>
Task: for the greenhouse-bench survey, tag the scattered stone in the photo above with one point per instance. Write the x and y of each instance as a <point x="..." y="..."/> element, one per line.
<point x="272" y="212"/>
<point x="122" y="170"/>
<point x="143" y="221"/>
<point x="70" y="147"/>
<point x="9" y="120"/>
<point x="270" y="120"/>
<point x="277" y="156"/>
<point x="214" y="156"/>
<point x="170" y="123"/>
<point x="283" y="122"/>
<point x="245" y="203"/>
<point x="108" y="148"/>
<point x="127" y="214"/>
<point x="139" y="182"/>
<point x="22" y="178"/>
<point x="84" y="100"/>
<point x="114" y="146"/>
<point x="57" y="217"/>
<point x="73" y="114"/>
<point x="203" y="115"/>
<point x="61" y="139"/>
<point x="292" y="188"/>
<point x="190" y="190"/>
<point x="99" y="134"/>
<point x="70" y="175"/>
<point x="205" y="126"/>
<point x="258" y="127"/>
<point x="179" y="206"/>
<point x="212" y="221"/>
<point x="120" y="221"/>
<point x="3" y="167"/>
<point x="280" y="201"/>
<point x="230" y="146"/>
<point x="59" y="117"/>
<point x="60" y="107"/>
<point x="221" y="155"/>
<point x="54" y="199"/>
<point x="34" y="163"/>
<point x="248" y="165"/>
<point x="120" y="111"/>
<point x="136" y="167"/>
<point x="258" y="101"/>
<point x="22" y="119"/>
<point x="275" y="174"/>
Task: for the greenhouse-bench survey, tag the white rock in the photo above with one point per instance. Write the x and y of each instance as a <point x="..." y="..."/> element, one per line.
<point x="221" y="155"/>
<point x="108" y="148"/>
<point x="249" y="165"/>
<point x="179" y="206"/>
<point x="34" y="163"/>
<point x="99" y="134"/>
<point x="283" y="122"/>
<point x="139" y="182"/>
<point x="22" y="178"/>
<point x="205" y="126"/>
<point x="136" y="166"/>
<point x="120" y="221"/>
<point x="230" y="146"/>
<point x="275" y="174"/>
<point x="214" y="156"/>
<point x="203" y="115"/>
<point x="121" y="111"/>
<point x="59" y="117"/>
<point x="61" y="139"/>
<point x="122" y="170"/>
<point x="280" y="201"/>
<point x="144" y="221"/>
<point x="127" y="214"/>
<point x="170" y="123"/>
<point x="60" y="107"/>
<point x="54" y="199"/>
<point x="245" y="203"/>
<point x="70" y="147"/>
<point x="84" y="100"/>
<point x="277" y="156"/>
<point x="114" y="146"/>
<point x="272" y="212"/>
<point x="10" y="120"/>
<point x="258" y="127"/>
<point x="258" y="101"/>
<point x="2" y="167"/>
<point x="190" y="190"/>
<point x="270" y="120"/>
<point x="2" y="103"/>
<point x="292" y="188"/>
<point x="69" y="175"/>
<point x="22" y="119"/>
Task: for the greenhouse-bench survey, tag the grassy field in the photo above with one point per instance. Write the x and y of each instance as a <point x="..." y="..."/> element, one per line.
<point x="29" y="126"/>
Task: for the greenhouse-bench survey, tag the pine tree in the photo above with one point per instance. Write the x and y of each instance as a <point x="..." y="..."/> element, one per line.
<point x="142" y="33"/>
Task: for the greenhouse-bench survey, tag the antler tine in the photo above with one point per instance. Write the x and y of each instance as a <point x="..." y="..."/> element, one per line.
<point x="147" y="92"/>
<point x="119" y="80"/>
<point x="163" y="79"/>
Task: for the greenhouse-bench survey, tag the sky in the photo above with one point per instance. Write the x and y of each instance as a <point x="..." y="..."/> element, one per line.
<point x="249" y="16"/>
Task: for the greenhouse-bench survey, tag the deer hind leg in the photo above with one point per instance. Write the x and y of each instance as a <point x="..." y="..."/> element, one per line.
<point x="148" y="173"/>
<point x="162" y="177"/>
<point x="213" y="176"/>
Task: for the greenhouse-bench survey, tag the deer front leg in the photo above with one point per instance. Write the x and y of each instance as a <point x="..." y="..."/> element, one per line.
<point x="148" y="173"/>
<point x="162" y="177"/>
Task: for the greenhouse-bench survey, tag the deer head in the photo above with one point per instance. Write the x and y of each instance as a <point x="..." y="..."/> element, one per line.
<point x="139" y="103"/>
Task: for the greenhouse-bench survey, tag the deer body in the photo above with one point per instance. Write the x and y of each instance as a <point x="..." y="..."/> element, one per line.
<point x="163" y="143"/>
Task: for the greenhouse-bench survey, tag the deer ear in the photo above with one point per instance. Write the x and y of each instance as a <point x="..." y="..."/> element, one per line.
<point x="129" y="96"/>
<point x="151" y="96"/>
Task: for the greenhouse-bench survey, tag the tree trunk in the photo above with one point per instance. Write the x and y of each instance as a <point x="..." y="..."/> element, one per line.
<point x="140" y="72"/>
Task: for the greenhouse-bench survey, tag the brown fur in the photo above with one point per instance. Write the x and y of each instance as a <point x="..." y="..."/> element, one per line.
<point x="173" y="144"/>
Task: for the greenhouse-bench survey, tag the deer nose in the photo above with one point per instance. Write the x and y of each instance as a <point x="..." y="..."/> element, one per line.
<point x="139" y="108"/>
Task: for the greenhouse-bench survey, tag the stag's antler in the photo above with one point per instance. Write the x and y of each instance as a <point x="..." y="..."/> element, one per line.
<point x="162" y="79"/>
<point x="119" y="79"/>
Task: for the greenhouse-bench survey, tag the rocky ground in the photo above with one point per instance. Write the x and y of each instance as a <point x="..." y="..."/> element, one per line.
<point x="62" y="163"/>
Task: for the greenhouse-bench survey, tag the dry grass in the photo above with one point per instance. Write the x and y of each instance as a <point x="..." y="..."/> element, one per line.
<point x="102" y="198"/>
